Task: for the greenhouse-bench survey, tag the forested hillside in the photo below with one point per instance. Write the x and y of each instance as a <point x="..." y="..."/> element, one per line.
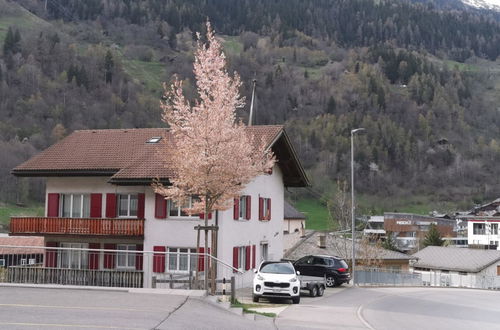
<point x="423" y="81"/>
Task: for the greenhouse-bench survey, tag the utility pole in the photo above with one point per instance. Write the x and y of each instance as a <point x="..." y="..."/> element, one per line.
<point x="250" y="118"/>
<point x="353" y="217"/>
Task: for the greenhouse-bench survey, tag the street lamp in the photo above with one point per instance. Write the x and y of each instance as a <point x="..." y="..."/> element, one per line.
<point x="353" y="263"/>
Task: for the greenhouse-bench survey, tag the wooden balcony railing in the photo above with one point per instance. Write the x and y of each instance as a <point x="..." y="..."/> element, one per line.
<point x="76" y="226"/>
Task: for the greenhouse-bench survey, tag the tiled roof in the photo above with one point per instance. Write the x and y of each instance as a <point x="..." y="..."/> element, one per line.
<point x="120" y="153"/>
<point x="292" y="213"/>
<point x="21" y="241"/>
<point x="456" y="259"/>
<point x="309" y="246"/>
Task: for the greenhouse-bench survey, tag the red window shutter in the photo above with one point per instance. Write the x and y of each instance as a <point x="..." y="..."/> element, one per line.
<point x="268" y="209"/>
<point x="51" y="255"/>
<point x="261" y="208"/>
<point x="202" y="216"/>
<point x="248" y="215"/>
<point x="110" y="205"/>
<point x="140" y="206"/>
<point x="160" y="207"/>
<point x="236" y="209"/>
<point x="247" y="257"/>
<point x="235" y="257"/>
<point x="253" y="256"/>
<point x="201" y="260"/>
<point x="159" y="259"/>
<point x="139" y="257"/>
<point x="94" y="255"/>
<point x="109" y="257"/>
<point x="96" y="205"/>
<point x="52" y="205"/>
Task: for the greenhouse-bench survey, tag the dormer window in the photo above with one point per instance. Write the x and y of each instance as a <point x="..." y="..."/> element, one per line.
<point x="154" y="139"/>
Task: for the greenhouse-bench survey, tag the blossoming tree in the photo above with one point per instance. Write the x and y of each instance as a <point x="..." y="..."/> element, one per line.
<point x="214" y="155"/>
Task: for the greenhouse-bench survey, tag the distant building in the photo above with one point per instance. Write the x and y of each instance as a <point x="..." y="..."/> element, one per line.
<point x="470" y="268"/>
<point x="410" y="229"/>
<point x="21" y="250"/>
<point x="482" y="225"/>
<point x="294" y="226"/>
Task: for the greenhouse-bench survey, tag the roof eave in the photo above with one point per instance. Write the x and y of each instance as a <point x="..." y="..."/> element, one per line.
<point x="61" y="172"/>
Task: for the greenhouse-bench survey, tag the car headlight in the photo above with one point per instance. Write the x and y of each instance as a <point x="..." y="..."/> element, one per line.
<point x="260" y="278"/>
<point x="293" y="279"/>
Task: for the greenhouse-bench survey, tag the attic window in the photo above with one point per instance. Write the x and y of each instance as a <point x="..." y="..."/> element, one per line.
<point x="154" y="139"/>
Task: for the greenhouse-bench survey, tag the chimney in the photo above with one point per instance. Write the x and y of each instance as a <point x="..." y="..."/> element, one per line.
<point x="322" y="241"/>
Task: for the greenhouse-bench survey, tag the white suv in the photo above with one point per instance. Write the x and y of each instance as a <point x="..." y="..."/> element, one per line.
<point x="275" y="279"/>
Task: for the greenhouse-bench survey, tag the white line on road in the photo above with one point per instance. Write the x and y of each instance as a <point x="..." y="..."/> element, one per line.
<point x="52" y="325"/>
<point x="83" y="307"/>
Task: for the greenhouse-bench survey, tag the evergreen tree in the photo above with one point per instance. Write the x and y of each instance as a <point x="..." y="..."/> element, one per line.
<point x="433" y="238"/>
<point x="390" y="242"/>
<point x="108" y="67"/>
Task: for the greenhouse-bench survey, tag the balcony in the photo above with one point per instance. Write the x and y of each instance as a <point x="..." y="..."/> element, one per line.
<point x="76" y="226"/>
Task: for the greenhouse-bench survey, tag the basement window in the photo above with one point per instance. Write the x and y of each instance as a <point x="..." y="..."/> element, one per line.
<point x="154" y="139"/>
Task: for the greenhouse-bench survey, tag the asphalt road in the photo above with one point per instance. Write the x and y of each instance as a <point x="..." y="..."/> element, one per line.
<point x="396" y="308"/>
<point x="34" y="308"/>
<point x="340" y="308"/>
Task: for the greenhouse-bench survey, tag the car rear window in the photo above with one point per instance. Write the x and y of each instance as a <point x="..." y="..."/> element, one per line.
<point x="278" y="268"/>
<point x="339" y="263"/>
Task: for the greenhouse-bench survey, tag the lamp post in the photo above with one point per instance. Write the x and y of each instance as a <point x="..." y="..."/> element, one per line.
<point x="353" y="263"/>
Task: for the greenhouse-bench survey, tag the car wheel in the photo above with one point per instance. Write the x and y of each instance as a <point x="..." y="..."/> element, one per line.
<point x="313" y="292"/>
<point x="321" y="290"/>
<point x="255" y="299"/>
<point x="330" y="281"/>
<point x="296" y="300"/>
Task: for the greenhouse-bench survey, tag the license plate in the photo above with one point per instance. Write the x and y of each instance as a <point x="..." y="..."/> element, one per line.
<point x="276" y="290"/>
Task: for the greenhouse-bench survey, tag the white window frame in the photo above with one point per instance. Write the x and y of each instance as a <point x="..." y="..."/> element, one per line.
<point x="82" y="255"/>
<point x="84" y="213"/>
<point x="493" y="228"/>
<point x="24" y="261"/>
<point x="479" y="230"/>
<point x="264" y="251"/>
<point x="171" y="206"/>
<point x="242" y="208"/>
<point x="242" y="260"/>
<point x="175" y="253"/>
<point x="2" y="262"/>
<point x="265" y="209"/>
<point x="129" y="257"/>
<point x="31" y="261"/>
<point x="129" y="210"/>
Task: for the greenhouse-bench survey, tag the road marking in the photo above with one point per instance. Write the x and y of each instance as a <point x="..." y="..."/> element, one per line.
<point x="84" y="307"/>
<point x="362" y="319"/>
<point x="66" y="325"/>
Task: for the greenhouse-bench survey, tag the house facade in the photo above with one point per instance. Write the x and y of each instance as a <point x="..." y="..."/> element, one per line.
<point x="99" y="196"/>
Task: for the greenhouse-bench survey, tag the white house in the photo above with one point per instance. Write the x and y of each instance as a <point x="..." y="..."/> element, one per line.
<point x="482" y="224"/>
<point x="98" y="196"/>
<point x="458" y="267"/>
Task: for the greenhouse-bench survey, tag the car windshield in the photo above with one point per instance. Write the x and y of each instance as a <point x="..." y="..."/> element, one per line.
<point x="277" y="268"/>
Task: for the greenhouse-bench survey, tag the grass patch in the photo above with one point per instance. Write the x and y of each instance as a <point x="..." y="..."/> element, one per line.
<point x="313" y="72"/>
<point x="232" y="45"/>
<point x="317" y="214"/>
<point x="417" y="204"/>
<point x="247" y="308"/>
<point x="148" y="74"/>
<point x="16" y="16"/>
<point x="11" y="210"/>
